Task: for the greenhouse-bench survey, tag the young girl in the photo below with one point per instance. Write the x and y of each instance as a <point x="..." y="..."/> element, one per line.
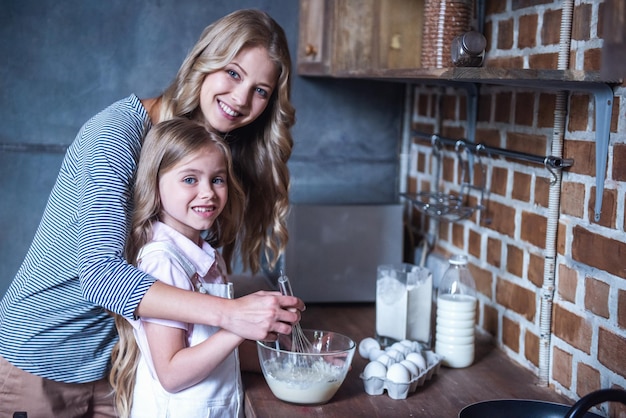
<point x="56" y="334"/>
<point x="186" y="199"/>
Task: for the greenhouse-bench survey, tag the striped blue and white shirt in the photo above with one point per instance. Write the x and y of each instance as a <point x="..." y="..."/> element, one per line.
<point x="53" y="321"/>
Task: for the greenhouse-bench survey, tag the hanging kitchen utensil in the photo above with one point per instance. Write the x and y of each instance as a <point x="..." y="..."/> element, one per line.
<point x="446" y="206"/>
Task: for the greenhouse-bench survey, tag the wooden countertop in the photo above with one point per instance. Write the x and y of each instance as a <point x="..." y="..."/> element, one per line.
<point x="492" y="376"/>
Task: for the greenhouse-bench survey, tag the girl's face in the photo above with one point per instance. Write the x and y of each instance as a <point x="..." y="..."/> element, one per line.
<point x="236" y="95"/>
<point x="194" y="192"/>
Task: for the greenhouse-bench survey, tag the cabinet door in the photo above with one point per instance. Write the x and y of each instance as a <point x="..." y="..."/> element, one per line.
<point x="340" y="36"/>
<point x="313" y="40"/>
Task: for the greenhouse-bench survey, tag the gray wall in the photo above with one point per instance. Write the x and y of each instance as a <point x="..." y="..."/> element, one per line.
<point x="63" y="61"/>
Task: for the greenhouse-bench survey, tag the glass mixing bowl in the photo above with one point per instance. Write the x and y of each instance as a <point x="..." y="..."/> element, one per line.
<point x="311" y="377"/>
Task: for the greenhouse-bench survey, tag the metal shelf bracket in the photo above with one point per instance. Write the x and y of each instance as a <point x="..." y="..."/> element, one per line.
<point x="603" y="95"/>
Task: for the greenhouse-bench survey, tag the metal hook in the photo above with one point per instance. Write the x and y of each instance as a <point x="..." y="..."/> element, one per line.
<point x="549" y="167"/>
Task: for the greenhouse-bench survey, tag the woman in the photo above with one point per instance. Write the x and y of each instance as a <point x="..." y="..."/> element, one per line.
<point x="56" y="335"/>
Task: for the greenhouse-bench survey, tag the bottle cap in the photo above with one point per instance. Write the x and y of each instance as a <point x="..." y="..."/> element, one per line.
<point x="458" y="260"/>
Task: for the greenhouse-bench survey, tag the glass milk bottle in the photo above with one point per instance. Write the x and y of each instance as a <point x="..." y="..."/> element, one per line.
<point x="456" y="314"/>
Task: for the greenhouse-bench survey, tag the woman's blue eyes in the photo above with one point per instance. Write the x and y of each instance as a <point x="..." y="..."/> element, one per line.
<point x="189" y="180"/>
<point x="261" y="92"/>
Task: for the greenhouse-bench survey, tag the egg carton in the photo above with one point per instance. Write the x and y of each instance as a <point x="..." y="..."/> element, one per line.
<point x="376" y="385"/>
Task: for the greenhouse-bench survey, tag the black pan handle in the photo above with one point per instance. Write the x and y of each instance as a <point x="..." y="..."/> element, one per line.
<point x="603" y="395"/>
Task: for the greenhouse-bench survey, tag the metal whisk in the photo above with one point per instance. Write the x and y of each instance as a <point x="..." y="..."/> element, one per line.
<point x="299" y="342"/>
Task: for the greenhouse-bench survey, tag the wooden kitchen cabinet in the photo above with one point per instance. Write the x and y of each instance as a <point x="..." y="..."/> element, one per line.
<point x="336" y="36"/>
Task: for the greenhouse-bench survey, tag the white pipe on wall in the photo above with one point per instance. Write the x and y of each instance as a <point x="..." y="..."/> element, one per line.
<point x="558" y="133"/>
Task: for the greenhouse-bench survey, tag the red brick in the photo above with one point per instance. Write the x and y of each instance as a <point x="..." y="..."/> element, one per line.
<point x="515" y="260"/>
<point x="531" y="144"/>
<point x="484" y="108"/>
<point x="499" y="180"/>
<point x="522" y="4"/>
<point x="621" y="308"/>
<point x="597" y="297"/>
<point x="611" y="349"/>
<point x="593" y="59"/>
<point x="505" y="34"/>
<point x="542" y="191"/>
<point x="531" y="347"/>
<point x="505" y="62"/>
<point x="422" y="105"/>
<point x="567" y="283"/>
<point x="516" y="298"/>
<point x="608" y="212"/>
<point x="587" y="379"/>
<point x="551" y="28"/>
<point x="545" y="115"/>
<point x="490" y="320"/>
<point x="474" y="243"/>
<point x="448" y="107"/>
<point x="489" y="137"/>
<point x="501" y="218"/>
<point x="533" y="228"/>
<point x="548" y="61"/>
<point x="521" y="186"/>
<point x="597" y="250"/>
<point x="572" y="328"/>
<point x="581" y="22"/>
<point x="578" y="112"/>
<point x="572" y="198"/>
<point x="510" y="334"/>
<point x="619" y="167"/>
<point x="527" y="37"/>
<point x="536" y="270"/>
<point x="458" y="235"/>
<point x="503" y="107"/>
<point x="448" y="165"/>
<point x="494" y="251"/>
<point x="584" y="155"/>
<point x="524" y="108"/>
<point x="562" y="367"/>
<point x="483" y="279"/>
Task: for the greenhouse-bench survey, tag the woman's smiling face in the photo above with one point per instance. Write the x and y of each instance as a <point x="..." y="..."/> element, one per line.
<point x="236" y="95"/>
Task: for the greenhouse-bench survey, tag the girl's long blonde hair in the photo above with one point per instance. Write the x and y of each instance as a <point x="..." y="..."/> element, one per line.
<point x="261" y="149"/>
<point x="164" y="146"/>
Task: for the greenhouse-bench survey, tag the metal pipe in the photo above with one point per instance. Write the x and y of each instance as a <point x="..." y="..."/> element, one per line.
<point x="554" y="199"/>
<point x="549" y="161"/>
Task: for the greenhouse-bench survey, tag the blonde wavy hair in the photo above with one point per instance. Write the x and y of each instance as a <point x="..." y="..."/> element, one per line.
<point x="165" y="145"/>
<point x="261" y="149"/>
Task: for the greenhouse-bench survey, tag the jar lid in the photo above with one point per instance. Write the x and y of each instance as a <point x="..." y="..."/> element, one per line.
<point x="458" y="260"/>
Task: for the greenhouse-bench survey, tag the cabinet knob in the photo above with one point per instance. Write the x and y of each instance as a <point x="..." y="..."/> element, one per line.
<point x="310" y="50"/>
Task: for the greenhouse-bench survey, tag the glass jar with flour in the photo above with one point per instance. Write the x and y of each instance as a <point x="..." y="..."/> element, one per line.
<point x="403" y="304"/>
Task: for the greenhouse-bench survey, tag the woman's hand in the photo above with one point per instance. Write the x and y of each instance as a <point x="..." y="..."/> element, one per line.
<point x="258" y="316"/>
<point x="262" y="315"/>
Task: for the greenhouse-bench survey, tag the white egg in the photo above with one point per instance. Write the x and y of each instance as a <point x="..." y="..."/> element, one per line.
<point x="366" y="345"/>
<point x="411" y="367"/>
<point x="385" y="359"/>
<point x="374" y="353"/>
<point x="401" y="348"/>
<point x="375" y="369"/>
<point x="395" y="354"/>
<point x="398" y="373"/>
<point x="417" y="359"/>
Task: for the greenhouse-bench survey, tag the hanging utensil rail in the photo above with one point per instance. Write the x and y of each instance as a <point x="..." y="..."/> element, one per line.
<point x="547" y="161"/>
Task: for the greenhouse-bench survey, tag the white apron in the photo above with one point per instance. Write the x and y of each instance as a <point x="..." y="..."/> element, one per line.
<point x="219" y="395"/>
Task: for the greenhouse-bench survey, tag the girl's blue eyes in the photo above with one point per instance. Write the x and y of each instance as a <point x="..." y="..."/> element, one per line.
<point x="191" y="180"/>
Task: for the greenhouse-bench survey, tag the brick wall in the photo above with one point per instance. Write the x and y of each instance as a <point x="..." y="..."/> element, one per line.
<point x="506" y="241"/>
